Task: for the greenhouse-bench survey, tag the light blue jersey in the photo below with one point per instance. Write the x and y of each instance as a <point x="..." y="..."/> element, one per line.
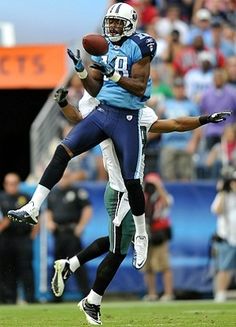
<point x="133" y="49"/>
<point x="118" y="115"/>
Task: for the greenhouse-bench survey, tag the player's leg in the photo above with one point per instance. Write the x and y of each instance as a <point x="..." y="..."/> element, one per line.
<point x="65" y="267"/>
<point x="120" y="240"/>
<point x="81" y="138"/>
<point x="128" y="141"/>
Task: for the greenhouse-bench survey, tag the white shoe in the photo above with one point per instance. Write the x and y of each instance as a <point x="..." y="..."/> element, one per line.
<point x="150" y="297"/>
<point x="220" y="297"/>
<point x="62" y="273"/>
<point x="27" y="214"/>
<point x="167" y="298"/>
<point x="140" y="250"/>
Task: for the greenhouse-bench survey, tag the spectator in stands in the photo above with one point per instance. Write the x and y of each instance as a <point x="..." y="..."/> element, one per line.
<point x="148" y="13"/>
<point x="186" y="7"/>
<point x="224" y="207"/>
<point x="222" y="154"/>
<point x="158" y="203"/>
<point x="201" y="26"/>
<point x="231" y="71"/>
<point x="16" y="247"/>
<point x="217" y="9"/>
<point x="219" y="96"/>
<point x="69" y="211"/>
<point x="230" y="12"/>
<point x="218" y="40"/>
<point x="160" y="89"/>
<point x="177" y="149"/>
<point x="197" y="80"/>
<point x="172" y="21"/>
<point x="187" y="58"/>
<point x="173" y="46"/>
<point x="230" y="35"/>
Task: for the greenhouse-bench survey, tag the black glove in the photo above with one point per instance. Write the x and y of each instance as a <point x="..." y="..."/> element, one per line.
<point x="60" y="97"/>
<point x="79" y="67"/>
<point x="106" y="69"/>
<point x="217" y="117"/>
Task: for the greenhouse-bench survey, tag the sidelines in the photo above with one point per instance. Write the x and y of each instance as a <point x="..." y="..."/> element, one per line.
<point x="192" y="223"/>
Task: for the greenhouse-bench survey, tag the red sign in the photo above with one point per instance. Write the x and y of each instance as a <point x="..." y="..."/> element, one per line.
<point x="39" y="66"/>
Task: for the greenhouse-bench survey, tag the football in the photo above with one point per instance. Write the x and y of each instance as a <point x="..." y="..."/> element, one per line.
<point x="95" y="44"/>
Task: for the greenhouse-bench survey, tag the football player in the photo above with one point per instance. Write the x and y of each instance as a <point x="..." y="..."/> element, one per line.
<point x="121" y="82"/>
<point x="121" y="224"/>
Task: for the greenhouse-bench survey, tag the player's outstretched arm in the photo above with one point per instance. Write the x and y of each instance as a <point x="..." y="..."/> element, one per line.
<point x="70" y="112"/>
<point x="183" y="124"/>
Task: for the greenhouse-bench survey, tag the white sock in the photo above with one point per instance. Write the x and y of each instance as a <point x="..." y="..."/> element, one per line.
<point x="140" y="224"/>
<point x="40" y="195"/>
<point x="94" y="298"/>
<point x="74" y="263"/>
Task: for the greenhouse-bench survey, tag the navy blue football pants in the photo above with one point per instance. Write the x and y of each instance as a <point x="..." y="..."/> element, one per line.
<point x="121" y="125"/>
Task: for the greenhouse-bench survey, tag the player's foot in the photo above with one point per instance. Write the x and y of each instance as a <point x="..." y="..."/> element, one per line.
<point x="150" y="297"/>
<point x="220" y="297"/>
<point x="91" y="311"/>
<point x="167" y="298"/>
<point x="27" y="214"/>
<point x="140" y="250"/>
<point x="62" y="273"/>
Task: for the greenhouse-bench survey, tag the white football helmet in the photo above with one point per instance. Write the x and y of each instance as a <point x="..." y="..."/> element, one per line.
<point x="125" y="13"/>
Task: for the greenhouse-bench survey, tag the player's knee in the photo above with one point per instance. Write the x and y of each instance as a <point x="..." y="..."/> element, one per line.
<point x="136" y="196"/>
<point x="61" y="155"/>
<point x="132" y="184"/>
<point x="118" y="252"/>
<point x="116" y="257"/>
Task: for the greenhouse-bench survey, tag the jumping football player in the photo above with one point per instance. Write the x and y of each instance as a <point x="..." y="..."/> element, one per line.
<point x="121" y="82"/>
<point x="121" y="225"/>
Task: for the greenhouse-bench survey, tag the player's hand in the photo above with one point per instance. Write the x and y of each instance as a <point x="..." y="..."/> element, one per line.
<point x="79" y="67"/>
<point x="60" y="97"/>
<point x="218" y="117"/>
<point x="106" y="69"/>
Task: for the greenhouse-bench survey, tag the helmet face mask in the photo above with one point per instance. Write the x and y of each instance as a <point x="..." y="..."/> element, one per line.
<point x="120" y="21"/>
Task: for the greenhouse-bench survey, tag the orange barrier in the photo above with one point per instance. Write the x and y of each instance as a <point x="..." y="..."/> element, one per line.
<point x="37" y="66"/>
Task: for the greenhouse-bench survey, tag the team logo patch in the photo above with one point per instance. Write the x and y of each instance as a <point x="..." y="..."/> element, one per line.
<point x="129" y="117"/>
<point x="134" y="16"/>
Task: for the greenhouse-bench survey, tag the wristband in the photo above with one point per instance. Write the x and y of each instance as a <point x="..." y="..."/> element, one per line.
<point x="204" y="120"/>
<point x="63" y="103"/>
<point x="83" y="74"/>
<point x="115" y="77"/>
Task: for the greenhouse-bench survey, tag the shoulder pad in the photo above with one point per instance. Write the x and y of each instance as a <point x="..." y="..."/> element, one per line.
<point x="146" y="43"/>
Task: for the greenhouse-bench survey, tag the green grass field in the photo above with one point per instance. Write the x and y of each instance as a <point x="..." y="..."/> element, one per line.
<point x="138" y="314"/>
